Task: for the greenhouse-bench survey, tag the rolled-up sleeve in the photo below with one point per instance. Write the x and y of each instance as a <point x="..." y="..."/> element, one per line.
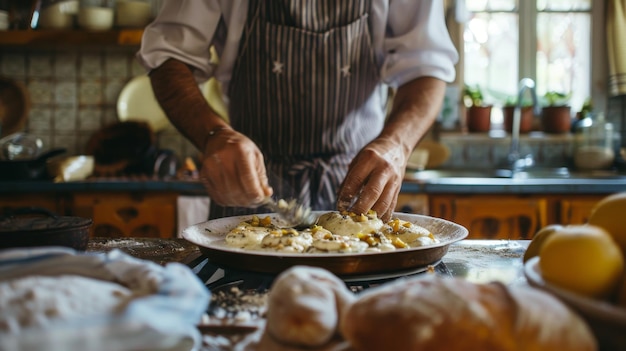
<point x="183" y="30"/>
<point x="417" y="43"/>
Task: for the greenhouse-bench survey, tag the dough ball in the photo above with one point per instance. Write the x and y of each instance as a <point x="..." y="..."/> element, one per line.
<point x="304" y="306"/>
<point x="347" y="223"/>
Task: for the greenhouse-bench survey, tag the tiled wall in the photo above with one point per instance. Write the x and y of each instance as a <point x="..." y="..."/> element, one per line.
<point x="74" y="93"/>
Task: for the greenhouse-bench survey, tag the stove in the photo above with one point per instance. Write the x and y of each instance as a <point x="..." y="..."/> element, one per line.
<point x="240" y="297"/>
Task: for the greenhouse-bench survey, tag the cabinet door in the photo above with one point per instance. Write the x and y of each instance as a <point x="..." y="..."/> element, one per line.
<point x="413" y="203"/>
<point x="493" y="217"/>
<point x="50" y="202"/>
<point x="129" y="214"/>
<point x="576" y="211"/>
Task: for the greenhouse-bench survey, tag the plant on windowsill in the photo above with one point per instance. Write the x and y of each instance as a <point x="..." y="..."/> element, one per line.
<point x="556" y="116"/>
<point x="478" y="117"/>
<point x="527" y="116"/>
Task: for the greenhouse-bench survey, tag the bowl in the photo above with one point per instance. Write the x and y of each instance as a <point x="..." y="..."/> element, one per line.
<point x="132" y="13"/>
<point x="607" y="321"/>
<point x="96" y="18"/>
<point x="59" y="15"/>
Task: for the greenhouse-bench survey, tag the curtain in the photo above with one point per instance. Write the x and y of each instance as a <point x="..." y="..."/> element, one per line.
<point x="616" y="45"/>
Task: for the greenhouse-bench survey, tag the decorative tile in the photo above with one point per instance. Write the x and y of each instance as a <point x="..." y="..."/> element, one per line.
<point x="65" y="93"/>
<point x="110" y="116"/>
<point x="90" y="66"/>
<point x="40" y="119"/>
<point x="112" y="89"/>
<point x="65" y="65"/>
<point x="65" y="119"/>
<point x="67" y="141"/>
<point x="40" y="66"/>
<point x="14" y="65"/>
<point x="116" y="65"/>
<point x="40" y="91"/>
<point x="89" y="119"/>
<point x="136" y="68"/>
<point x="90" y="93"/>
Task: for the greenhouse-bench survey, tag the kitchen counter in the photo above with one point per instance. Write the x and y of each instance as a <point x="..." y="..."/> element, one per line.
<point x="412" y="184"/>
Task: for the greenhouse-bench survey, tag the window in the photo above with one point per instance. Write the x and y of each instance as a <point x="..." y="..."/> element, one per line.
<point x="550" y="41"/>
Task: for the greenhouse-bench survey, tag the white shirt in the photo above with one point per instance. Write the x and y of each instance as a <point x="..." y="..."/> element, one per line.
<point x="409" y="36"/>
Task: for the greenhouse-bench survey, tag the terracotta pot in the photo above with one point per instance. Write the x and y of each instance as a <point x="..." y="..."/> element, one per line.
<point x="479" y="119"/>
<point x="556" y="119"/>
<point x="526" y="122"/>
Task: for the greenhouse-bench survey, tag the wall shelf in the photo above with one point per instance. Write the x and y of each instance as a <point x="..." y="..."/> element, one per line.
<point x="123" y="37"/>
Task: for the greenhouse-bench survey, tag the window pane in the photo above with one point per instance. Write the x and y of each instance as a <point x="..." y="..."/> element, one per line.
<point x="491" y="54"/>
<point x="564" y="5"/>
<point x="564" y="55"/>
<point x="491" y="5"/>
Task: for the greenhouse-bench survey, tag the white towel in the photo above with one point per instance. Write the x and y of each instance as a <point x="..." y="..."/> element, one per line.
<point x="616" y="38"/>
<point x="165" y="319"/>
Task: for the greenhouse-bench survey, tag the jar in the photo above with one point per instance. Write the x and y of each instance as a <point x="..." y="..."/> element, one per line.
<point x="594" y="143"/>
<point x="57" y="14"/>
<point x="133" y="13"/>
<point x="96" y="15"/>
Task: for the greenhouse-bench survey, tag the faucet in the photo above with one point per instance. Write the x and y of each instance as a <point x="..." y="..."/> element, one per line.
<point x="515" y="161"/>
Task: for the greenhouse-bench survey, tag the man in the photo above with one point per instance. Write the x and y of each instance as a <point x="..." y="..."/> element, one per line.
<point x="306" y="84"/>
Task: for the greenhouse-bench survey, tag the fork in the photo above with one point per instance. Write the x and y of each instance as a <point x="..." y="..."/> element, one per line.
<point x="292" y="213"/>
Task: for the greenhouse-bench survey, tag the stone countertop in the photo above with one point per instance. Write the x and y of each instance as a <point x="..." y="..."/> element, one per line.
<point x="460" y="185"/>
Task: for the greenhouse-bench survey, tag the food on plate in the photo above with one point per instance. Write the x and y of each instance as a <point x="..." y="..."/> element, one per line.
<point x="538" y="239"/>
<point x="305" y="305"/>
<point x="435" y="313"/>
<point x="608" y="214"/>
<point x="334" y="232"/>
<point x="583" y="259"/>
<point x="38" y="301"/>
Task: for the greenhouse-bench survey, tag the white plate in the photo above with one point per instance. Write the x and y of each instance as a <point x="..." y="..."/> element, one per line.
<point x="606" y="320"/>
<point x="137" y="102"/>
<point x="209" y="236"/>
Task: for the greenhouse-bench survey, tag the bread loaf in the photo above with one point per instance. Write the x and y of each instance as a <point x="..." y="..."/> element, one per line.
<point x="436" y="313"/>
<point x="304" y="306"/>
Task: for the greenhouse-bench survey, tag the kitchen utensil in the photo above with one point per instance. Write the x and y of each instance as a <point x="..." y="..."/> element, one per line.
<point x="14" y="106"/>
<point x="28" y="169"/>
<point x="291" y="213"/>
<point x="20" y="146"/>
<point x="209" y="236"/>
<point x="29" y="227"/>
<point x="607" y="321"/>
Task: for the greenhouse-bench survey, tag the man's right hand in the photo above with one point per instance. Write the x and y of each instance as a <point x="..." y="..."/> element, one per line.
<point x="233" y="170"/>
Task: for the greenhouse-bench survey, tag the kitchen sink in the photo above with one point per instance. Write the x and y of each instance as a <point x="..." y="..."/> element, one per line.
<point x="530" y="173"/>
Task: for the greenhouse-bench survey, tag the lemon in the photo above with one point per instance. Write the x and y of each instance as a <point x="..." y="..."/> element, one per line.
<point x="609" y="213"/>
<point x="538" y="239"/>
<point x="583" y="259"/>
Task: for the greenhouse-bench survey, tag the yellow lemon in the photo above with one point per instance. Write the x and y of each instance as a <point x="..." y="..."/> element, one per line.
<point x="538" y="239"/>
<point x="583" y="259"/>
<point x="609" y="214"/>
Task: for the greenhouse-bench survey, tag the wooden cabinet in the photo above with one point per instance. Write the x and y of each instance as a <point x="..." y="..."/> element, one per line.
<point x="136" y="214"/>
<point x="51" y="202"/>
<point x="576" y="210"/>
<point x="492" y="216"/>
<point x="52" y="37"/>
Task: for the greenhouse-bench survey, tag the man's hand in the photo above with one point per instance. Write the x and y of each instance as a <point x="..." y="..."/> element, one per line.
<point x="374" y="179"/>
<point x="233" y="170"/>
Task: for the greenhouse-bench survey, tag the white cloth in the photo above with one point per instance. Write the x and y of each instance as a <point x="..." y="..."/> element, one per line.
<point x="164" y="320"/>
<point x="191" y="210"/>
<point x="410" y="38"/>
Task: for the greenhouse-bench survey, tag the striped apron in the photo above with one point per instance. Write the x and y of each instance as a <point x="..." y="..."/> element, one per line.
<point x="305" y="88"/>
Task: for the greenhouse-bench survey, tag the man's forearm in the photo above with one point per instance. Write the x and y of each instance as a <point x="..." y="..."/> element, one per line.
<point x="179" y="96"/>
<point x="415" y="108"/>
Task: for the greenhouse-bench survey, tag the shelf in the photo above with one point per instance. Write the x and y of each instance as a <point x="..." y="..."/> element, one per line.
<point x="70" y="37"/>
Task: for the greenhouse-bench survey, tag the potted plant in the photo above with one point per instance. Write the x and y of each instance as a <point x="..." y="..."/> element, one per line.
<point x="478" y="113"/>
<point x="556" y="114"/>
<point x="527" y="116"/>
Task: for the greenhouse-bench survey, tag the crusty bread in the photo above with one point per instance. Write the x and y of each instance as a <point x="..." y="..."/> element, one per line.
<point x="436" y="313"/>
<point x="304" y="306"/>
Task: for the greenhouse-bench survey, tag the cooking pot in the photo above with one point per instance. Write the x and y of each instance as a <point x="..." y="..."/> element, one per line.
<point x="28" y="169"/>
<point x="30" y="227"/>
